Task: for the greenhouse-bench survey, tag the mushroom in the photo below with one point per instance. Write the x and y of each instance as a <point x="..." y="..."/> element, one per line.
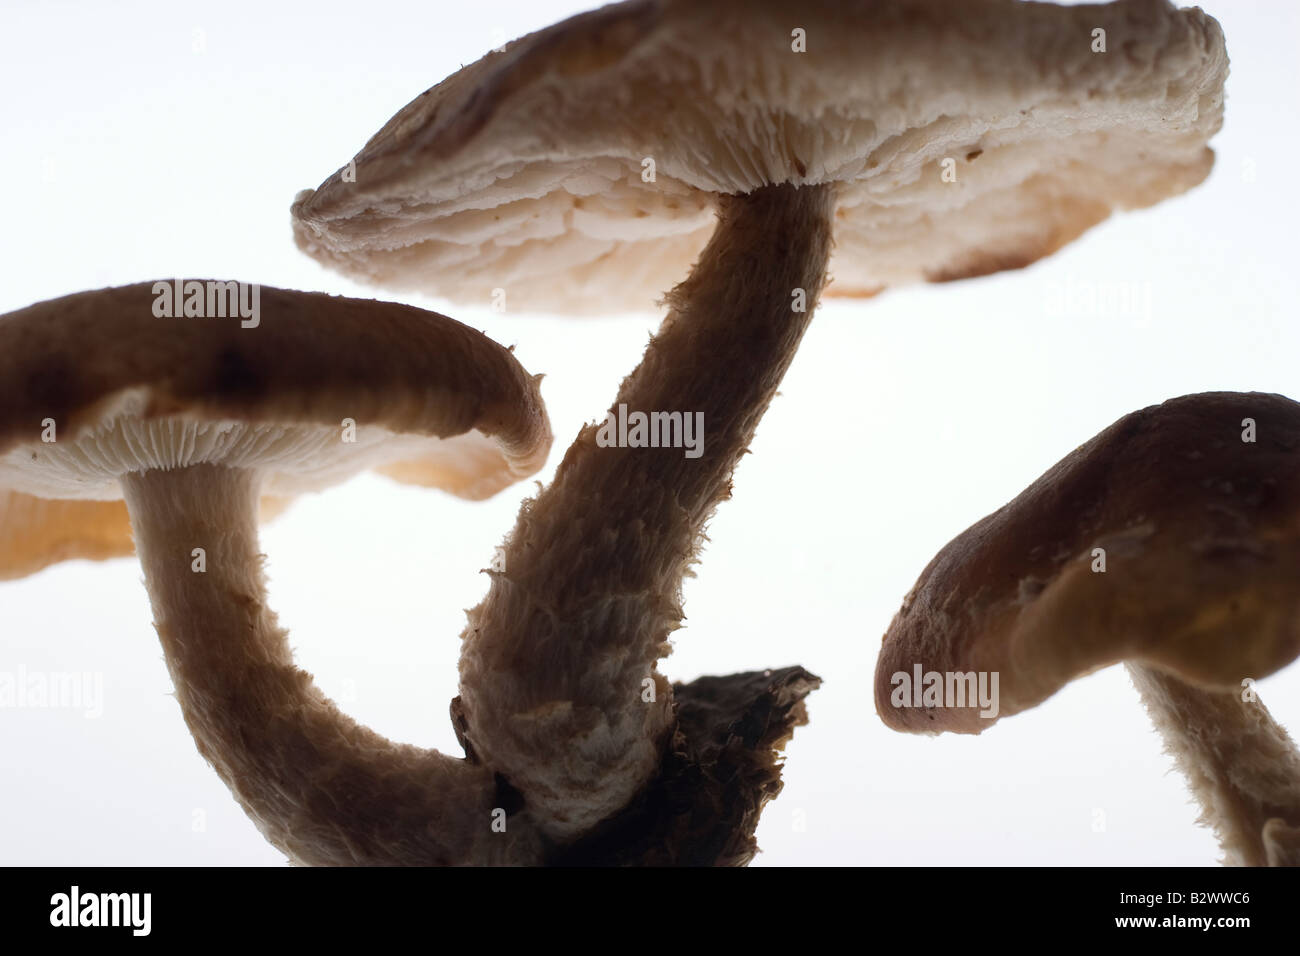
<point x="191" y="420"/>
<point x="1171" y="542"/>
<point x="587" y="166"/>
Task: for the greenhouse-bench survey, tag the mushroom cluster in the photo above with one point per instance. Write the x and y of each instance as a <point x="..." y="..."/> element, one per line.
<point x="738" y="160"/>
<point x="587" y="166"/>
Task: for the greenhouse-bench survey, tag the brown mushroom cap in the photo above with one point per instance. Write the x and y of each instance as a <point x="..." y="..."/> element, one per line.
<point x="524" y="171"/>
<point x="434" y="402"/>
<point x="1201" y="534"/>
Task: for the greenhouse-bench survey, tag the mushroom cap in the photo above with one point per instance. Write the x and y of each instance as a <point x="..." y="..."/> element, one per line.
<point x="524" y="170"/>
<point x="1201" y="534"/>
<point x="434" y="403"/>
<point x="37" y="532"/>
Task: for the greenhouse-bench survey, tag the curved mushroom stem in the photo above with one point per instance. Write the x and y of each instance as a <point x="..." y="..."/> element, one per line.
<point x="1239" y="762"/>
<point x="559" y="686"/>
<point x="320" y="787"/>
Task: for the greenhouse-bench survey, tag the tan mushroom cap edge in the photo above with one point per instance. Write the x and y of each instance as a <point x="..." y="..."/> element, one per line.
<point x="528" y="170"/>
<point x="39" y="532"/>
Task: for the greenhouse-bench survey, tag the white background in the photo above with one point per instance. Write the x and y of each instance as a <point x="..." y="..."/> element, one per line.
<point x="147" y="140"/>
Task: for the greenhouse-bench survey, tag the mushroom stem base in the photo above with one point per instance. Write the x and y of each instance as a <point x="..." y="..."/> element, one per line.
<point x="1239" y="762"/>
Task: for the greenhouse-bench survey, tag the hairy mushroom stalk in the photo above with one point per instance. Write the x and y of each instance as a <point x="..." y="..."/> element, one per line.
<point x="1240" y="764"/>
<point x="319" y="786"/>
<point x="559" y="687"/>
<point x="196" y="426"/>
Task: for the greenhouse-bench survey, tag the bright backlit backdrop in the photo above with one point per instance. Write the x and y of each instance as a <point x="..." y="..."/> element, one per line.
<point x="147" y="140"/>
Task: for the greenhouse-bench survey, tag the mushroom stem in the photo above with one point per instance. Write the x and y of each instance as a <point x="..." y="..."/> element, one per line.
<point x="1239" y="762"/>
<point x="320" y="787"/>
<point x="559" y="686"/>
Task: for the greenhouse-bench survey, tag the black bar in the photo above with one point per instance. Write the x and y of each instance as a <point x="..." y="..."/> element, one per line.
<point x="929" y="905"/>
